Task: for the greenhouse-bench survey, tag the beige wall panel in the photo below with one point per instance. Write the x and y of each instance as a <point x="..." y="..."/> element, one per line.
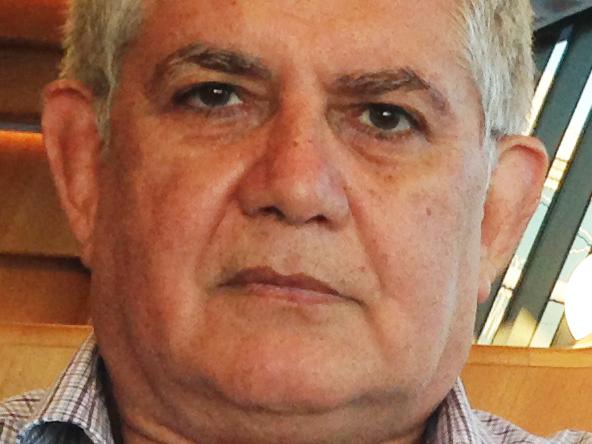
<point x="24" y="72"/>
<point x="43" y="290"/>
<point x="31" y="220"/>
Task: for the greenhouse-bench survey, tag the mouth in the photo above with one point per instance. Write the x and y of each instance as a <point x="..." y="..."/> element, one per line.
<point x="296" y="288"/>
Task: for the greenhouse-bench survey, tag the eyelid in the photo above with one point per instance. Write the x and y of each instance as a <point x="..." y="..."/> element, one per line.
<point x="180" y="96"/>
<point x="251" y="111"/>
<point x="413" y="123"/>
<point x="189" y="78"/>
<point x="416" y="121"/>
<point x="345" y="119"/>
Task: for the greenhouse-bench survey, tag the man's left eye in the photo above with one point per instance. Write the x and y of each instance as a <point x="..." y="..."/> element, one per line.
<point x="387" y="118"/>
<point x="209" y="96"/>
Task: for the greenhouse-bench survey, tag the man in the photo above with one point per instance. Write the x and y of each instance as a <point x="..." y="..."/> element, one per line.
<point x="290" y="210"/>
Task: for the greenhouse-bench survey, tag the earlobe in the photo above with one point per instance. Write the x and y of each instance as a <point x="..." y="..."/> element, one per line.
<point x="513" y="197"/>
<point x="73" y="146"/>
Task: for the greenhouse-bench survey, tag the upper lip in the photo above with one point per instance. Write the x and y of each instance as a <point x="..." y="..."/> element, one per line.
<point x="267" y="276"/>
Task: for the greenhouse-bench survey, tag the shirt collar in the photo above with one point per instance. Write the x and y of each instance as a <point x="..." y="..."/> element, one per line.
<point x="76" y="398"/>
<point x="455" y="422"/>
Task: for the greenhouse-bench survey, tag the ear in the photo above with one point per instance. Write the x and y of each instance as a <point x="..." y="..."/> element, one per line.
<point x="514" y="194"/>
<point x="73" y="146"/>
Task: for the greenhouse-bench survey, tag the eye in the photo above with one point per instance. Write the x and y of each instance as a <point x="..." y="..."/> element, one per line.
<point x="209" y="96"/>
<point x="387" y="118"/>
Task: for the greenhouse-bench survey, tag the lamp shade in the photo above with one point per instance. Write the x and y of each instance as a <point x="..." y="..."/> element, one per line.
<point x="578" y="300"/>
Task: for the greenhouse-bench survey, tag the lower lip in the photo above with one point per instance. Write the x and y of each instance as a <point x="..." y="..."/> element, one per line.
<point x="287" y="294"/>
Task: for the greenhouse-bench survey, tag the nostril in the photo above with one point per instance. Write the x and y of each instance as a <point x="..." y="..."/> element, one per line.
<point x="280" y="215"/>
<point x="272" y="211"/>
<point x="319" y="219"/>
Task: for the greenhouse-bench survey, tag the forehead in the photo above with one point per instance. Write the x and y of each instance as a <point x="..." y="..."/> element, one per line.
<point x="308" y="15"/>
<point x="324" y="33"/>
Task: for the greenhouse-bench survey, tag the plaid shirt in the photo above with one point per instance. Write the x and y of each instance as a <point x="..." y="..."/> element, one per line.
<point x="74" y="411"/>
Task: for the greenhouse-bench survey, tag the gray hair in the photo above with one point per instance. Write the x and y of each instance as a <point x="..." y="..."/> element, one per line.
<point x="498" y="53"/>
<point x="96" y="35"/>
<point x="497" y="37"/>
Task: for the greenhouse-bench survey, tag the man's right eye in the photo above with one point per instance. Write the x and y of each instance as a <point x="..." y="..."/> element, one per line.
<point x="208" y="96"/>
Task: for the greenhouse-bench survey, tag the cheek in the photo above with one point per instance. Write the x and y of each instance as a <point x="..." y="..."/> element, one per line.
<point x="413" y="234"/>
<point x="173" y="189"/>
<point x="167" y="211"/>
<point x="422" y="237"/>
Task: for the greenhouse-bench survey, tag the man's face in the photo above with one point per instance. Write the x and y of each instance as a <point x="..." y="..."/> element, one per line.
<point x="290" y="207"/>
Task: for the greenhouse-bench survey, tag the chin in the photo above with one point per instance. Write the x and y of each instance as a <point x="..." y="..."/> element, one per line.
<point x="298" y="401"/>
<point x="291" y="395"/>
<point x="297" y="374"/>
<point x="279" y="358"/>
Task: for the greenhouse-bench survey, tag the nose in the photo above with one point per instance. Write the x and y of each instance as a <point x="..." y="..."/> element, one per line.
<point x="293" y="180"/>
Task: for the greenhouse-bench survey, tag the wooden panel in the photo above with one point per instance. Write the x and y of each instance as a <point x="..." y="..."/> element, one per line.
<point x="32" y="356"/>
<point x="542" y="390"/>
<point x="24" y="71"/>
<point x="43" y="290"/>
<point x="36" y="21"/>
<point x="31" y="220"/>
<point x="530" y="357"/>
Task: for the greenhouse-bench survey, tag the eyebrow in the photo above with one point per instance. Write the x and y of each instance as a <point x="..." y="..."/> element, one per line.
<point x="238" y="63"/>
<point x="215" y="59"/>
<point x="382" y="82"/>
